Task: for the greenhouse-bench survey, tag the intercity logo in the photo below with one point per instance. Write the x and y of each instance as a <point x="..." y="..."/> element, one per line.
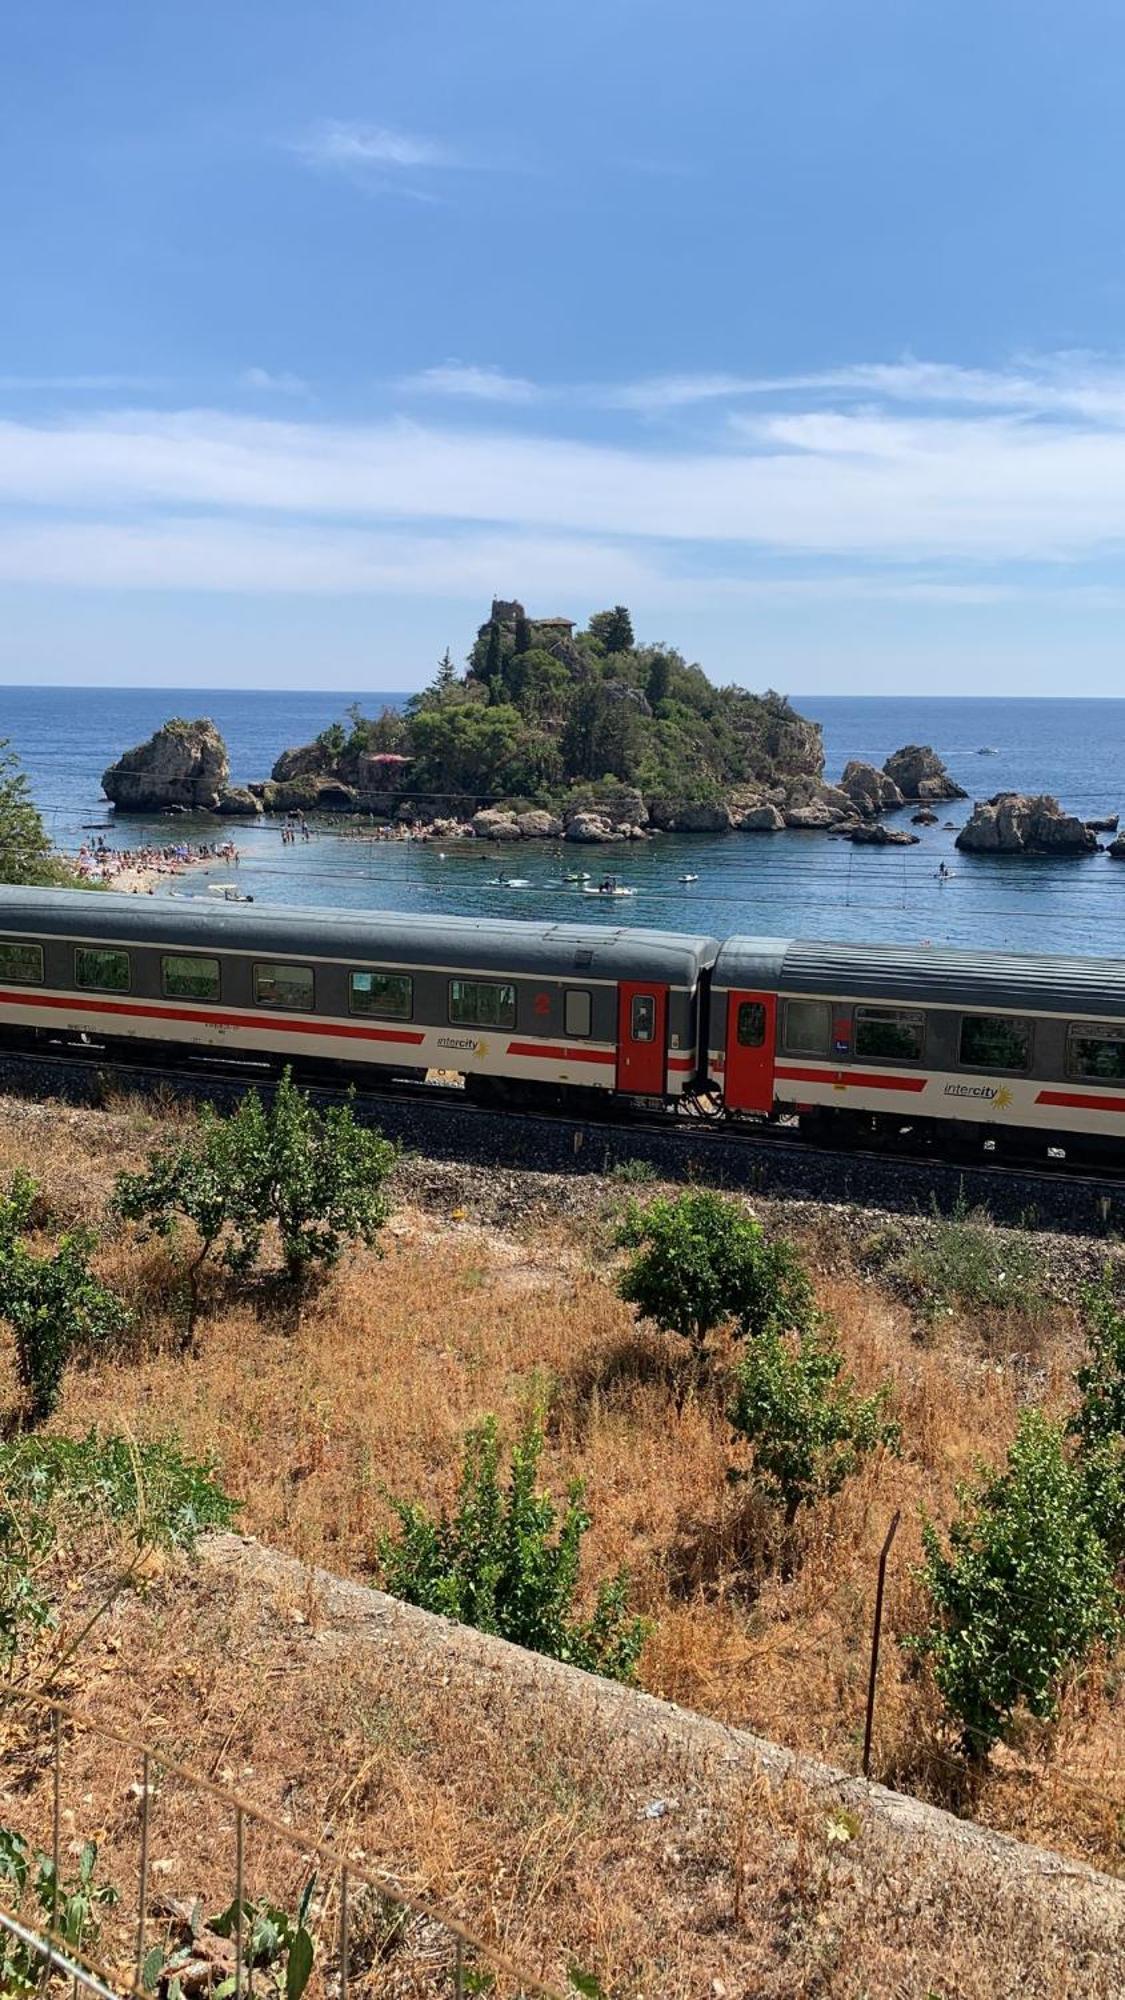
<point x="996" y="1094"/>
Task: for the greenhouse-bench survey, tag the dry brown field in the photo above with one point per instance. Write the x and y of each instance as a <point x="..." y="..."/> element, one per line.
<point x="318" y="1417"/>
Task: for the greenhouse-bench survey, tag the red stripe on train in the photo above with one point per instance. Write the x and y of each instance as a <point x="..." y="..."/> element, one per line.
<point x="866" y="1080"/>
<point x="276" y="1023"/>
<point x="553" y="1052"/>
<point x="1080" y="1100"/>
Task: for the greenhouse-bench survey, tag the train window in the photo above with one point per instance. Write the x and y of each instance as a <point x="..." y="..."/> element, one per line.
<point x="890" y="1032"/>
<point x="995" y="1041"/>
<point x="751" y="1025"/>
<point x="806" y="1027"/>
<point x="578" y="1013"/>
<point x="1096" y="1049"/>
<point x="482" y="1003"/>
<point x="101" y="971"/>
<point x="283" y="986"/>
<point x="189" y="978"/>
<point x="22" y="964"/>
<point x="642" y="1026"/>
<point x="390" y="994"/>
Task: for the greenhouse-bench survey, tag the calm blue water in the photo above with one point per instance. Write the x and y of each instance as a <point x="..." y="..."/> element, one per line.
<point x="782" y="884"/>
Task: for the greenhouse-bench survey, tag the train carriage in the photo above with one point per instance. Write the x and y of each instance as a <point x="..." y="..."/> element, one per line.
<point x="874" y="1038"/>
<point x="554" y="1009"/>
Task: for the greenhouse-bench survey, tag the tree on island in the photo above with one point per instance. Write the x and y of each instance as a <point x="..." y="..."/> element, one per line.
<point x="542" y="708"/>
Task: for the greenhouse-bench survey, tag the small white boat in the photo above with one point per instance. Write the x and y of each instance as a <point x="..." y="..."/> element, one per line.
<point x="507" y="882"/>
<point x="689" y="878"/>
<point x="615" y="891"/>
<point x="582" y="876"/>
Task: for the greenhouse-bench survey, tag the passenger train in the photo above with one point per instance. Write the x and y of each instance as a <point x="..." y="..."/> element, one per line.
<point x="854" y="1042"/>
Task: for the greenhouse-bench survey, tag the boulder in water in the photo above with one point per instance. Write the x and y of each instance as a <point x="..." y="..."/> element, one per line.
<point x="870" y="791"/>
<point x="183" y="767"/>
<point x="1014" y="823"/>
<point x="920" y="775"/>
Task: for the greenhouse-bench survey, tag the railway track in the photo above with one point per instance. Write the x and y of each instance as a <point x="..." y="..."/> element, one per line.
<point x="441" y="1121"/>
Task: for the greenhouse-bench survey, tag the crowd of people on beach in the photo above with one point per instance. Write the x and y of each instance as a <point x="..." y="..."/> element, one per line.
<point x="96" y="861"/>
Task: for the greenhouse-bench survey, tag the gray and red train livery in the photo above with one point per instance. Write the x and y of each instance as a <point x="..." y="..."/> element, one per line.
<point x="855" y="1040"/>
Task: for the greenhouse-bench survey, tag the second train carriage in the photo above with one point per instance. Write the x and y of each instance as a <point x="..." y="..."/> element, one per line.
<point x="550" y="1008"/>
<point x="874" y="1038"/>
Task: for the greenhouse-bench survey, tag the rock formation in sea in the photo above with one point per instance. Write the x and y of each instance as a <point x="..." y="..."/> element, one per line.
<point x="867" y="833"/>
<point x="184" y="767"/>
<point x="1016" y="823"/>
<point x="920" y="775"/>
<point x="870" y="791"/>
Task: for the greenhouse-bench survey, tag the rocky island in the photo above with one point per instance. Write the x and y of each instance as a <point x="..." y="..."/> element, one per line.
<point x="551" y="732"/>
<point x="586" y="735"/>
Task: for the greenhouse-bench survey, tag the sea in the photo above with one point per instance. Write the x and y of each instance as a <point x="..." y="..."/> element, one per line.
<point x="778" y="885"/>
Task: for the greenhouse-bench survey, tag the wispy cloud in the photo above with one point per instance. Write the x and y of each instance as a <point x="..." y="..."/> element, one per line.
<point x="273" y="382"/>
<point x="831" y="483"/>
<point x="481" y="385"/>
<point x="376" y="157"/>
<point x="67" y="384"/>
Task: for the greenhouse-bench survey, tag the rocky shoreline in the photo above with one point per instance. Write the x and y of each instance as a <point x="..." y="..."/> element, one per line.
<point x="184" y="768"/>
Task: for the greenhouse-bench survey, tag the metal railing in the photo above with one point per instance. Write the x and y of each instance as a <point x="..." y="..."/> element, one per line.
<point x="418" y="1939"/>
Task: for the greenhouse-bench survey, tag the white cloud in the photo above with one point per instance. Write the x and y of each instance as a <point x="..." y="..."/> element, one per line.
<point x="821" y="482"/>
<point x="271" y="382"/>
<point x="1071" y="384"/>
<point x="482" y="385"/>
<point x="359" y="148"/>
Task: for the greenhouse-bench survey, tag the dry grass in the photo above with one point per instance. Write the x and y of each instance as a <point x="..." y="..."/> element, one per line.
<point x="317" y="1418"/>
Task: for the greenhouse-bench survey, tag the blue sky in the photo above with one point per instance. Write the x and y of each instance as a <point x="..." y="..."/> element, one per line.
<point x="797" y="326"/>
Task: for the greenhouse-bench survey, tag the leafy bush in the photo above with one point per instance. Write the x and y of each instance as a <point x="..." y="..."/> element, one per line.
<point x="504" y="1562"/>
<point x="317" y="1175"/>
<point x="274" y="1941"/>
<point x="702" y="1262"/>
<point x="69" y="1908"/>
<point x="1023" y="1593"/>
<point x="964" y="1263"/>
<point x="1098" y="1423"/>
<point x="801" y="1414"/>
<point x="54" y="1304"/>
<point x="54" y="1489"/>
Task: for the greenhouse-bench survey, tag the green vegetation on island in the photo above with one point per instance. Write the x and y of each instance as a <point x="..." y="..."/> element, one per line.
<point x="545" y="716"/>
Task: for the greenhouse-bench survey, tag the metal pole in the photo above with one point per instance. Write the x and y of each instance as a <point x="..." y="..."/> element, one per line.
<point x="343" y="1934"/>
<point x="459" y="1970"/>
<point x="142" y="1911"/>
<point x="56" y="1825"/>
<point x="237" y="1901"/>
<point x="875" y="1632"/>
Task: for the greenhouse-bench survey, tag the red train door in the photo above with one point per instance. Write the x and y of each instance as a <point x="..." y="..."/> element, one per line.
<point x="751" y="1025"/>
<point x="642" y="1034"/>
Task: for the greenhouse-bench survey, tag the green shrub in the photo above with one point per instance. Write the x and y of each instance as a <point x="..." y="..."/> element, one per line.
<point x="318" y="1176"/>
<point x="53" y="1489"/>
<point x="54" y="1304"/>
<point x="702" y="1262"/>
<point x="70" y="1907"/>
<point x="1098" y="1423"/>
<point x="504" y="1562"/>
<point x="801" y="1415"/>
<point x="1023" y="1593"/>
<point x="965" y="1263"/>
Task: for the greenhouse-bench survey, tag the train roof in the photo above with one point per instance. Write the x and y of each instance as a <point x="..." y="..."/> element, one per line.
<point x="482" y="943"/>
<point x="937" y="975"/>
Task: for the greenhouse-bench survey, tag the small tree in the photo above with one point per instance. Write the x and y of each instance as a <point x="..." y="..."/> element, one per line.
<point x="26" y="853"/>
<point x="702" y="1262"/>
<point x="807" y="1425"/>
<point x="1098" y="1423"/>
<point x="504" y="1562"/>
<point x="612" y="629"/>
<point x="318" y="1176"/>
<point x="54" y="1304"/>
<point x="1022" y="1594"/>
